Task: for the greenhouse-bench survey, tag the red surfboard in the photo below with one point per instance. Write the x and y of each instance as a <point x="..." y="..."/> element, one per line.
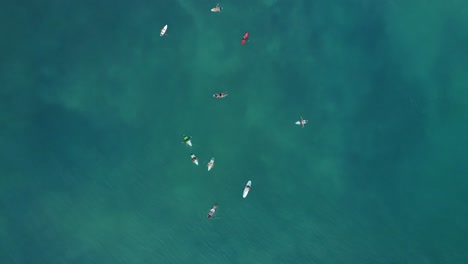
<point x="245" y="38"/>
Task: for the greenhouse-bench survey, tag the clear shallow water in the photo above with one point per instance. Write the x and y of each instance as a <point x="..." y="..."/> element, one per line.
<point x="95" y="104"/>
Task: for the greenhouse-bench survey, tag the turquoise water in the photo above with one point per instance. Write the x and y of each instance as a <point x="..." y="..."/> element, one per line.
<point x="94" y="105"/>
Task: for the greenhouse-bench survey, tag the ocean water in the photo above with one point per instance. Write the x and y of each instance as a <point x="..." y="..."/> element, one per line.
<point x="94" y="105"/>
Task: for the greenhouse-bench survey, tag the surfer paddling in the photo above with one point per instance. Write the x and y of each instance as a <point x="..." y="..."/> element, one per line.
<point x="194" y="159"/>
<point x="187" y="141"/>
<point x="216" y="9"/>
<point x="163" y="31"/>
<point x="302" y="122"/>
<point x="245" y="38"/>
<point x="212" y="211"/>
<point x="210" y="164"/>
<point x="220" y="95"/>
<point x="247" y="189"/>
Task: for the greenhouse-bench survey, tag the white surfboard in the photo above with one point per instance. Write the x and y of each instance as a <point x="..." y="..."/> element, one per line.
<point x="302" y="122"/>
<point x="247" y="189"/>
<point x="194" y="159"/>
<point x="163" y="31"/>
<point x="211" y="164"/>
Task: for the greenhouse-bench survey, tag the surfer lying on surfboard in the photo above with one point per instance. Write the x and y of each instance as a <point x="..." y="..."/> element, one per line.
<point x="245" y="38"/>
<point x="220" y="95"/>
<point x="163" y="31"/>
<point x="187" y="140"/>
<point x="247" y="189"/>
<point x="210" y="164"/>
<point x="194" y="159"/>
<point x="216" y="9"/>
<point x="302" y="122"/>
<point x="212" y="211"/>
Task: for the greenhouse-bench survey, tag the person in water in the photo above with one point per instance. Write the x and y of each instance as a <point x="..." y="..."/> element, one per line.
<point x="212" y="211"/>
<point x="217" y="8"/>
<point x="220" y="95"/>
